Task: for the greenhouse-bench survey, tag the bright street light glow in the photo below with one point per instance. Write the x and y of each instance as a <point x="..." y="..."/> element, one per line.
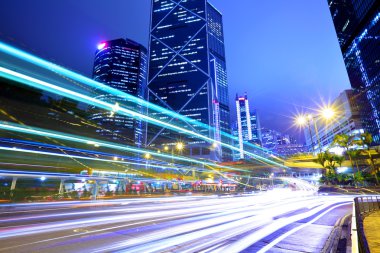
<point x="180" y="146"/>
<point x="301" y="120"/>
<point x="328" y="113"/>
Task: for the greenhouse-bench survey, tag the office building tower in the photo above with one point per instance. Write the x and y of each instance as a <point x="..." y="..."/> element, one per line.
<point x="187" y="74"/>
<point x="248" y="126"/>
<point x="256" y="128"/>
<point x="357" y="24"/>
<point x="235" y="143"/>
<point x="121" y="64"/>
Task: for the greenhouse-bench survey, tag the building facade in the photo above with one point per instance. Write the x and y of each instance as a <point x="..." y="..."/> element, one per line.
<point x="281" y="144"/>
<point x="247" y="125"/>
<point x="347" y="122"/>
<point x="270" y="138"/>
<point x="357" y="24"/>
<point x="187" y="74"/>
<point x="121" y="64"/>
<point x="287" y="150"/>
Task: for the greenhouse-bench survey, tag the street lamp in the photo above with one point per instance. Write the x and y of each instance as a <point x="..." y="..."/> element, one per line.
<point x="147" y="156"/>
<point x="326" y="113"/>
<point x="305" y="120"/>
<point x="301" y="120"/>
<point x="180" y="146"/>
<point x="271" y="176"/>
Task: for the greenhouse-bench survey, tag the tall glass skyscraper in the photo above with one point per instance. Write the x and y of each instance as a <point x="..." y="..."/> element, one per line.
<point x="248" y="126"/>
<point x="187" y="73"/>
<point x="121" y="64"/>
<point x="357" y="24"/>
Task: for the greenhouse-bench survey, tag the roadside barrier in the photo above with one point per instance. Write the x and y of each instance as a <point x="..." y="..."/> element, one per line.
<point x="363" y="206"/>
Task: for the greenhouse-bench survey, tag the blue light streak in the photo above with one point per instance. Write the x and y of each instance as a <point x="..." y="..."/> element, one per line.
<point x="56" y="135"/>
<point x="99" y="86"/>
<point x="31" y="81"/>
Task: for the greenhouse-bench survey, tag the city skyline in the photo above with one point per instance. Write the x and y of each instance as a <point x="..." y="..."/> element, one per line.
<point x="189" y="126"/>
<point x="263" y="82"/>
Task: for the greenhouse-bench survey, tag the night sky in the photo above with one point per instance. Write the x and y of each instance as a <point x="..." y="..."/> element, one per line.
<point x="283" y="53"/>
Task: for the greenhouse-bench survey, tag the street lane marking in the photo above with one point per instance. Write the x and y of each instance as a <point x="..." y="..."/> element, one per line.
<point x="290" y="232"/>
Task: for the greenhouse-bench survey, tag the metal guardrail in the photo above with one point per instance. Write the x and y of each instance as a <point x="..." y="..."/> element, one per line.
<point x="368" y="205"/>
<point x="363" y="206"/>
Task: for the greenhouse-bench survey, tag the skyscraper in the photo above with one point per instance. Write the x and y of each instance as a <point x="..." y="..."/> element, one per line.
<point x="248" y="126"/>
<point x="357" y="24"/>
<point x="187" y="73"/>
<point x="121" y="64"/>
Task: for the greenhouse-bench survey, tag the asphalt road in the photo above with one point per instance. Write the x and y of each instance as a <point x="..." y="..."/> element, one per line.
<point x="275" y="221"/>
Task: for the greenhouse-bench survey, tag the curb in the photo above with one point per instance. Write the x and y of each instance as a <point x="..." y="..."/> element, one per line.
<point x="337" y="241"/>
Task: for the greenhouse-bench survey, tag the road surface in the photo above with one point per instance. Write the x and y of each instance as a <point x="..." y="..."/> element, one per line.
<point x="275" y="221"/>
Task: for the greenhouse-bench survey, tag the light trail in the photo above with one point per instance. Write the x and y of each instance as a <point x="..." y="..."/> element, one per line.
<point x="240" y="222"/>
<point x="233" y="205"/>
<point x="301" y="184"/>
<point x="42" y="132"/>
<point x="270" y="229"/>
<point x="157" y="163"/>
<point x="235" y="224"/>
<point x="52" y="134"/>
<point x="79" y="157"/>
<point x="186" y="224"/>
<point x="167" y="238"/>
<point x="221" y="205"/>
<point x="37" y="83"/>
<point x="7" y="49"/>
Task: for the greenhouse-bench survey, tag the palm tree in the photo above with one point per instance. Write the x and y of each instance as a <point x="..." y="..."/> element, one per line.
<point x="354" y="153"/>
<point x="358" y="177"/>
<point x="345" y="141"/>
<point x="329" y="161"/>
<point x="321" y="159"/>
<point x="366" y="139"/>
<point x="338" y="159"/>
<point x="341" y="178"/>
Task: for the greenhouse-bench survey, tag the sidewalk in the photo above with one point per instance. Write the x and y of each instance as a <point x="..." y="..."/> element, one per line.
<point x="372" y="231"/>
